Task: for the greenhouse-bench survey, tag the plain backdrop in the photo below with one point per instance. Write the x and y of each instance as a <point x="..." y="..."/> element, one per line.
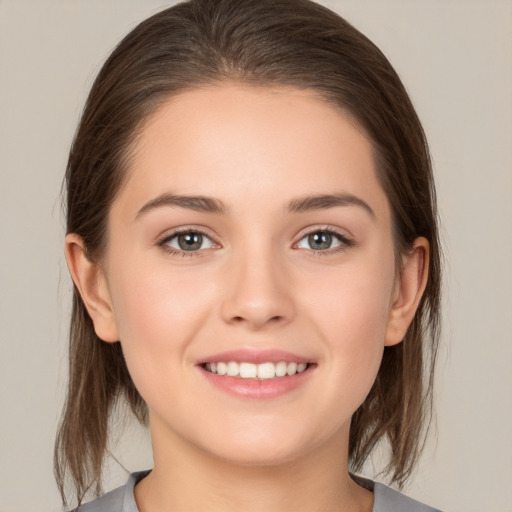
<point x="455" y="58"/>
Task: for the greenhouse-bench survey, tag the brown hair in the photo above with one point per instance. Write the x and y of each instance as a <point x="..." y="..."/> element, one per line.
<point x="260" y="42"/>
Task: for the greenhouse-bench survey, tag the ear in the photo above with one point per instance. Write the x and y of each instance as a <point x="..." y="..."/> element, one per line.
<point x="92" y="284"/>
<point x="408" y="291"/>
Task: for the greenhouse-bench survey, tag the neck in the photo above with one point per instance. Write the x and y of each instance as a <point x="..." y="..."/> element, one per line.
<point x="186" y="478"/>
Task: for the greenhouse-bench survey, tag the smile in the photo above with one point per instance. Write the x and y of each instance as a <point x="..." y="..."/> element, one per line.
<point x="257" y="374"/>
<point x="262" y="371"/>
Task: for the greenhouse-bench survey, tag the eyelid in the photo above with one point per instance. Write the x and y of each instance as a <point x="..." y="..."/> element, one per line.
<point x="187" y="228"/>
<point x="162" y="240"/>
<point x="346" y="240"/>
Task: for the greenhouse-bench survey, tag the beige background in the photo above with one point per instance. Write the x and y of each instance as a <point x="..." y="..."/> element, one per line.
<point x="455" y="57"/>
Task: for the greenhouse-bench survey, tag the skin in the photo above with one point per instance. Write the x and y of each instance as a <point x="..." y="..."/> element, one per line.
<point x="259" y="284"/>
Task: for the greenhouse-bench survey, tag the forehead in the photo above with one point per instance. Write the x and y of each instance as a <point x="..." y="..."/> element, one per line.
<point x="230" y="140"/>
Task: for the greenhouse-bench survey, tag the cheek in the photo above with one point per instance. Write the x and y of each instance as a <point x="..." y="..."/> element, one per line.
<point x="157" y="312"/>
<point x="351" y="311"/>
<point x="354" y="300"/>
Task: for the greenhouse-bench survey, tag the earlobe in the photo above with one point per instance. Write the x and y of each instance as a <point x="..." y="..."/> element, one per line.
<point x="91" y="282"/>
<point x="409" y="289"/>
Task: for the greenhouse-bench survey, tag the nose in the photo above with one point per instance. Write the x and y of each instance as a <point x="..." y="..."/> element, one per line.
<point x="259" y="293"/>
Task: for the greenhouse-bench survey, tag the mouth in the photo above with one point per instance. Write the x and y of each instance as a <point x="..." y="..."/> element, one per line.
<point x="263" y="371"/>
<point x="257" y="375"/>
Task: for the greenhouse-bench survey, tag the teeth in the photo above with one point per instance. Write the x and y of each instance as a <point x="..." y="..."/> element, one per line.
<point x="266" y="371"/>
<point x="248" y="370"/>
<point x="222" y="369"/>
<point x="255" y="371"/>
<point x="233" y="369"/>
<point x="281" y="369"/>
<point x="301" y="367"/>
<point x="291" y="368"/>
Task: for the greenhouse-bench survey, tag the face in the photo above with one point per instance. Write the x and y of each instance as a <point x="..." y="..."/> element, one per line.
<point x="252" y="239"/>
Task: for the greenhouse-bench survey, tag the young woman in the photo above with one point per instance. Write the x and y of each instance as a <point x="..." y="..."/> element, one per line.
<point x="252" y="237"/>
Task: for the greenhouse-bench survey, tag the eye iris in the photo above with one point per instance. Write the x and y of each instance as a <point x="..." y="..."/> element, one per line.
<point x="320" y="240"/>
<point x="190" y="241"/>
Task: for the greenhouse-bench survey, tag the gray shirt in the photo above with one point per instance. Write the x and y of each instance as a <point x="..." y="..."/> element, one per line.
<point x="122" y="499"/>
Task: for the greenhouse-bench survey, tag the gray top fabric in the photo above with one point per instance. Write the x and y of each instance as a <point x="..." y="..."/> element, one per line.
<point x="122" y="499"/>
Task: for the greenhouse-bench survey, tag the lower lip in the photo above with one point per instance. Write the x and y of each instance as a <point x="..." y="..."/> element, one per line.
<point x="254" y="388"/>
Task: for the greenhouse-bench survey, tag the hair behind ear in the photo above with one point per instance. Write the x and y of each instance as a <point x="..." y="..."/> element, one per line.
<point x="97" y="373"/>
<point x="394" y="410"/>
<point x="399" y="405"/>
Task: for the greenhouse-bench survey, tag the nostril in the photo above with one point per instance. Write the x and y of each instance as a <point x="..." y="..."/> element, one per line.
<point x="274" y="319"/>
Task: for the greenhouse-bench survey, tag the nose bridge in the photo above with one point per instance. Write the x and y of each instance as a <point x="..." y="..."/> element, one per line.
<point x="260" y="291"/>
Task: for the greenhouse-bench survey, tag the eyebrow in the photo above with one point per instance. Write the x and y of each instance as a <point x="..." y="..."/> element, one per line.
<point x="197" y="203"/>
<point x="206" y="204"/>
<point x="323" y="201"/>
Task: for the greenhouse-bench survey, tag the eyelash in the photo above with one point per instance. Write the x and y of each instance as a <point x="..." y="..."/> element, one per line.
<point x="344" y="241"/>
<point x="176" y="252"/>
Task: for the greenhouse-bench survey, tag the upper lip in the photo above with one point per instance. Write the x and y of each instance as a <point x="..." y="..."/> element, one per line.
<point x="255" y="357"/>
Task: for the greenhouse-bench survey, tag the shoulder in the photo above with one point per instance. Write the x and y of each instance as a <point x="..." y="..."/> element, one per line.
<point x="389" y="500"/>
<point x="119" y="500"/>
<point x="110" y="502"/>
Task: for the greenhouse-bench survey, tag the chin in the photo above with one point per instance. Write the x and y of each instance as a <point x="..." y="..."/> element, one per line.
<point x="256" y="456"/>
<point x="263" y="447"/>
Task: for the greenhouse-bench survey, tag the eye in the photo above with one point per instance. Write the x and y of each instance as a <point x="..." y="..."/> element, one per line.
<point x="323" y="240"/>
<point x="188" y="241"/>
